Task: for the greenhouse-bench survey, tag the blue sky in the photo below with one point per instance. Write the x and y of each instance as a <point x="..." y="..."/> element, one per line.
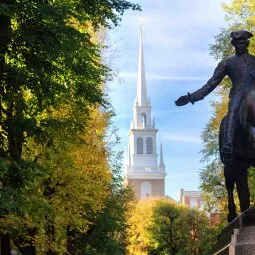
<point x="177" y="35"/>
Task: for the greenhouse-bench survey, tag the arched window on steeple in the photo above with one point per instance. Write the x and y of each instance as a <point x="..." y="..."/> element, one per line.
<point x="149" y="147"/>
<point x="139" y="145"/>
<point x="144" y="124"/>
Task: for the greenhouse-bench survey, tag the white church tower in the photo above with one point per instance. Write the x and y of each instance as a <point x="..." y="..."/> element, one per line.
<point x="144" y="174"/>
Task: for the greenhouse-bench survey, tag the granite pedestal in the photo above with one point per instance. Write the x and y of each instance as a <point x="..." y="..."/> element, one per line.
<point x="238" y="237"/>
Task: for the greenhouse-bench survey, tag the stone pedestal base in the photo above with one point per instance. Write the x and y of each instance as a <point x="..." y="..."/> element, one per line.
<point x="238" y="237"/>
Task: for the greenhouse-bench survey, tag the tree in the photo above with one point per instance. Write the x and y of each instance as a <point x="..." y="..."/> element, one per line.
<point x="108" y="233"/>
<point x="177" y="230"/>
<point x="107" y="227"/>
<point x="71" y="186"/>
<point x="139" y="220"/>
<point x="48" y="60"/>
<point x="166" y="229"/>
<point x="162" y="226"/>
<point x="212" y="181"/>
<point x="202" y="235"/>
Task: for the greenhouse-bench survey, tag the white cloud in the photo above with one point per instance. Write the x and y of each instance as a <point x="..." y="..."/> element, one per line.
<point x="180" y="137"/>
<point x="181" y="174"/>
<point x="122" y="116"/>
<point x="177" y="13"/>
<point x="151" y="76"/>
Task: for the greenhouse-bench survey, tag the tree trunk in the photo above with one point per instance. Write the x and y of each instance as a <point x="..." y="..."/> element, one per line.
<point x="14" y="134"/>
<point x="51" y="252"/>
<point x="27" y="250"/>
<point x="27" y="247"/>
<point x="5" y="244"/>
<point x="71" y="241"/>
<point x="50" y="229"/>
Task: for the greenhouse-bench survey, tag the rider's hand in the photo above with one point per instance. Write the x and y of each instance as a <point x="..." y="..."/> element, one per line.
<point x="182" y="100"/>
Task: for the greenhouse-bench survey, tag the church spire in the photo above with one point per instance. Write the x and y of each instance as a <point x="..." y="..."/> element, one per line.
<point x="141" y="82"/>
<point x="161" y="161"/>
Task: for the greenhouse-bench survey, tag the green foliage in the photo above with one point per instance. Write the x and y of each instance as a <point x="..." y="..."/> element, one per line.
<point x="161" y="226"/>
<point x="178" y="230"/>
<point x="166" y="229"/>
<point x="210" y="134"/>
<point x="55" y="169"/>
<point x="222" y="47"/>
<point x="139" y="221"/>
<point x="108" y="233"/>
<point x="252" y="184"/>
<point x="212" y="181"/>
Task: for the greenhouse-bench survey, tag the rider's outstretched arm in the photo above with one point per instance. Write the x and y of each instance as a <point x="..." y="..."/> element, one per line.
<point x="218" y="75"/>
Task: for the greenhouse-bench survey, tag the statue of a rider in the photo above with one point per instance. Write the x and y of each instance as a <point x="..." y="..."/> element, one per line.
<point x="240" y="68"/>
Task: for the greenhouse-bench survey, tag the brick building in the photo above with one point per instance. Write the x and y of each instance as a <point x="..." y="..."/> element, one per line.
<point x="192" y="199"/>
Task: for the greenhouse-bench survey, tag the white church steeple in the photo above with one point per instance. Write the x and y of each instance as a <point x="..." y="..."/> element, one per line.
<point x="143" y="171"/>
<point x="142" y="107"/>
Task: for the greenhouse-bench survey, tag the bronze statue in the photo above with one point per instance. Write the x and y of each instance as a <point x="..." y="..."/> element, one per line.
<point x="237" y="131"/>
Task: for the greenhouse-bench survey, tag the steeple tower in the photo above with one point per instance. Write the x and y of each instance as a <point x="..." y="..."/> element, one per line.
<point x="143" y="171"/>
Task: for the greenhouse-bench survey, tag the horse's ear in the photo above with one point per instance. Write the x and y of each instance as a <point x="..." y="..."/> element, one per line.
<point x="249" y="34"/>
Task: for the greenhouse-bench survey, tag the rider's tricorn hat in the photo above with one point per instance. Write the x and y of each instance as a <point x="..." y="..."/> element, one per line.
<point x="240" y="35"/>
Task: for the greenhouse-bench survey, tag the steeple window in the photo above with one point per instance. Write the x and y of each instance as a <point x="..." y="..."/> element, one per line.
<point x="149" y="147"/>
<point x="139" y="145"/>
<point x="144" y="124"/>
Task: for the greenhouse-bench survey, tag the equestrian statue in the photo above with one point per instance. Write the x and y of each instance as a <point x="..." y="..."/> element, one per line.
<point x="237" y="129"/>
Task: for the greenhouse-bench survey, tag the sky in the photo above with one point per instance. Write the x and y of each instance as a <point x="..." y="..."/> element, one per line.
<point x="176" y="38"/>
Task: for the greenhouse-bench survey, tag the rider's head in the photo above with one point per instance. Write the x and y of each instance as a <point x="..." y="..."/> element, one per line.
<point x="240" y="40"/>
